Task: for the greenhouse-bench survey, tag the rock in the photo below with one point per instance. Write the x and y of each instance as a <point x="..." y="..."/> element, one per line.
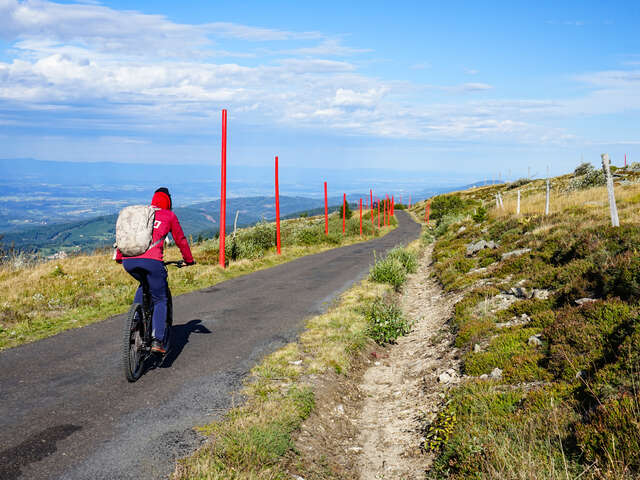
<point x="452" y="372"/>
<point x="484" y="376"/>
<point x="582" y="301"/>
<point x="515" y="321"/>
<point x="535" y="340"/>
<point x="515" y="253"/>
<point x="461" y="229"/>
<point x="339" y="409"/>
<point x="496" y="373"/>
<point x="356" y="449"/>
<point x="477" y="348"/>
<point x="444" y="377"/>
<point x="474" y="248"/>
<point x="541" y="294"/>
<point x="520" y="292"/>
<point x="297" y="362"/>
<point x="297" y="477"/>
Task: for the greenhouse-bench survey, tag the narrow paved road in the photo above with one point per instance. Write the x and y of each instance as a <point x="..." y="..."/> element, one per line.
<point x="67" y="412"/>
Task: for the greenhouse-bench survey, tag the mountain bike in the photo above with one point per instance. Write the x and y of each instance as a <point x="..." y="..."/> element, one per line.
<point x="136" y="351"/>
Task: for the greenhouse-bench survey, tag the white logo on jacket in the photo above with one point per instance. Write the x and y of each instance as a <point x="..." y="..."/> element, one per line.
<point x="157" y="224"/>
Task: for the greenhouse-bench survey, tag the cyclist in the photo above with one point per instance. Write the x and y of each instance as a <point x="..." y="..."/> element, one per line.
<point x="150" y="265"/>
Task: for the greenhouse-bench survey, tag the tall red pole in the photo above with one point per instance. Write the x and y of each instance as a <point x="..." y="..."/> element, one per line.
<point x="360" y="217"/>
<point x="392" y="206"/>
<point x="344" y="211"/>
<point x="223" y="187"/>
<point x="326" y="211"/>
<point x="277" y="211"/>
<point x="378" y="213"/>
<point x="384" y="212"/>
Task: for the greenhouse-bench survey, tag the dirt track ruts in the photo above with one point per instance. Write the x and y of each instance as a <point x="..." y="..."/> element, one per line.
<point x="67" y="412"/>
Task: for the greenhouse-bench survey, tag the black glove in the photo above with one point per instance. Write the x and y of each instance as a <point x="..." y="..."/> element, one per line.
<point x="190" y="263"/>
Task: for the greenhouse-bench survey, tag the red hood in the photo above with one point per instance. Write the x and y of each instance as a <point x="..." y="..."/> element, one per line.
<point x="161" y="200"/>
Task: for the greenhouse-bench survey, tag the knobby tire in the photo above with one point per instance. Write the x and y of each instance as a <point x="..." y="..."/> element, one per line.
<point x="133" y="355"/>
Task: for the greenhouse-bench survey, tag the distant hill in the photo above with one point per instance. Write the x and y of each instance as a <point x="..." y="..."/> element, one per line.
<point x="197" y="219"/>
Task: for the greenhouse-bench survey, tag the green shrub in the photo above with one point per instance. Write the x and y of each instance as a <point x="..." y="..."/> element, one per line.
<point x="583" y="169"/>
<point x="612" y="436"/>
<point x="444" y="205"/>
<point x="386" y="322"/>
<point x="388" y="270"/>
<point x="409" y="260"/>
<point x="348" y="211"/>
<point x="310" y="235"/>
<point x="593" y="178"/>
<point x="480" y="215"/>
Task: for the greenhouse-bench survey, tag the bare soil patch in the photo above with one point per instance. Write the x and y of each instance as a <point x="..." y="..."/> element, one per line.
<point x="367" y="426"/>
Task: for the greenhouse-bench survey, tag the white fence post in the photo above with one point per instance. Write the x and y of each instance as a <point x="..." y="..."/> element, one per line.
<point x="546" y="206"/>
<point x="615" y="221"/>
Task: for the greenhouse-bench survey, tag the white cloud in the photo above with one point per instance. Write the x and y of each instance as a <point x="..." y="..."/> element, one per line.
<point x="130" y="72"/>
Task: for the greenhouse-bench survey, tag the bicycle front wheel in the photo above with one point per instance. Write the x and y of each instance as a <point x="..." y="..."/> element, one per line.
<point x="133" y="353"/>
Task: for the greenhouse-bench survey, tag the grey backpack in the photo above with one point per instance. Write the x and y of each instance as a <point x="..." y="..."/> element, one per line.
<point x="134" y="230"/>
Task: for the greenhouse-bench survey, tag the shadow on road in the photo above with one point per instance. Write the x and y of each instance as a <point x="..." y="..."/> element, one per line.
<point x="33" y="449"/>
<point x="180" y="337"/>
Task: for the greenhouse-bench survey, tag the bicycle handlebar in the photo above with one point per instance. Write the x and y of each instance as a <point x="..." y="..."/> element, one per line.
<point x="177" y="263"/>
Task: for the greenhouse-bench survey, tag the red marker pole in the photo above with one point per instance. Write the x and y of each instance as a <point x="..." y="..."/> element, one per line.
<point x="392" y="206"/>
<point x="326" y="211"/>
<point x="360" y="217"/>
<point x="344" y="211"/>
<point x="378" y="213"/>
<point x="277" y="211"/>
<point x="223" y="187"/>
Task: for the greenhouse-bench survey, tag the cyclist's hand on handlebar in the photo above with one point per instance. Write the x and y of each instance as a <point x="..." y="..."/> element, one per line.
<point x="190" y="263"/>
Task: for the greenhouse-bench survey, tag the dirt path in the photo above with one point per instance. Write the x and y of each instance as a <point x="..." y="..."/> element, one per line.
<point x="404" y="388"/>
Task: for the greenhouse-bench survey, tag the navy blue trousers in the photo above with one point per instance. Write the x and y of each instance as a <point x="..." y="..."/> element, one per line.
<point x="156" y="275"/>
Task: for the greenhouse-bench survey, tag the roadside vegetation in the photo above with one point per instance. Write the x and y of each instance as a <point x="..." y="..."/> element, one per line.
<point x="43" y="299"/>
<point x="547" y="328"/>
<point x="256" y="440"/>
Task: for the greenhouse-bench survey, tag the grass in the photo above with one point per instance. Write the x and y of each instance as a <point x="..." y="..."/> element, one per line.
<point x="567" y="408"/>
<point x="251" y="442"/>
<point x="47" y="298"/>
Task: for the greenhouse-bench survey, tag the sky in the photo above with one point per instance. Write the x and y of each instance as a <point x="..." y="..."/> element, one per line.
<point x="469" y="88"/>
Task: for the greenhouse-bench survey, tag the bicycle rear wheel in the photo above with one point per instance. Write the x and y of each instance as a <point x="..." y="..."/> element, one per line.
<point x="133" y="352"/>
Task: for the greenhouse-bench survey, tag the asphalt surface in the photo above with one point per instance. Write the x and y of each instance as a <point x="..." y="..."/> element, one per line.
<point x="67" y="412"/>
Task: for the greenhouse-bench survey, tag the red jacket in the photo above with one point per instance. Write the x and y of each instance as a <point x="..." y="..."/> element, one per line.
<point x="166" y="222"/>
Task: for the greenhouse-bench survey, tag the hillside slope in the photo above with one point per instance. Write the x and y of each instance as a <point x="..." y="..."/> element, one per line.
<point x="547" y="328"/>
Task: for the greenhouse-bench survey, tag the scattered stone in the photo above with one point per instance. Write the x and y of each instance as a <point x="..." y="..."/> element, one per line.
<point x="444" y="377"/>
<point x="582" y="301"/>
<point x="515" y="253"/>
<point x="297" y="362"/>
<point x="477" y="348"/>
<point x="339" y="409"/>
<point x="297" y="477"/>
<point x="535" y="340"/>
<point x="515" y="321"/>
<point x="461" y="229"/>
<point x="520" y="292"/>
<point x="484" y="376"/>
<point x="541" y="294"/>
<point x="474" y="248"/>
<point x="477" y="270"/>
<point x="496" y="373"/>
